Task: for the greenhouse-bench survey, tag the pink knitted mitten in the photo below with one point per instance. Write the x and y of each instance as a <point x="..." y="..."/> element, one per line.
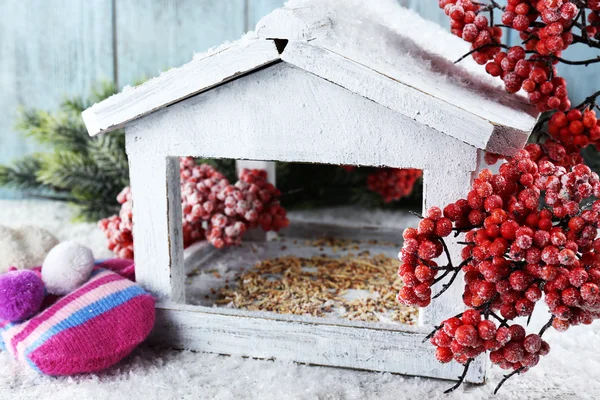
<point x="88" y="330"/>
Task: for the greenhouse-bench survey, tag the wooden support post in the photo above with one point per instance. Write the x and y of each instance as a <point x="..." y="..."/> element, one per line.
<point x="157" y="230"/>
<point x="441" y="188"/>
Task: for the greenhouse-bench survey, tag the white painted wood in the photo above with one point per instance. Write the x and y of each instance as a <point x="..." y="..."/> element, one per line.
<point x="420" y="52"/>
<point x="177" y="84"/>
<point x="228" y="122"/>
<point x="479" y="99"/>
<point x="439" y="189"/>
<point x="157" y="231"/>
<point x="303" y="339"/>
<point x="406" y="99"/>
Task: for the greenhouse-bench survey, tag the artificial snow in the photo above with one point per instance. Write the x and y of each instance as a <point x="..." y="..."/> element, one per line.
<point x="570" y="371"/>
<point x="401" y="44"/>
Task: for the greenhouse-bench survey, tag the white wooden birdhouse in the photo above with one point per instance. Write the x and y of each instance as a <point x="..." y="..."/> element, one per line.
<point x="318" y="82"/>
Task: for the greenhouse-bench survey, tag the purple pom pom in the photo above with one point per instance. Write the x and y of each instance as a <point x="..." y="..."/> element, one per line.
<point x="21" y="295"/>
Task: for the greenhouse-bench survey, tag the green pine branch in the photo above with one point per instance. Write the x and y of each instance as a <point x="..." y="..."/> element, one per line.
<point x="22" y="174"/>
<point x="86" y="172"/>
<point x="61" y="130"/>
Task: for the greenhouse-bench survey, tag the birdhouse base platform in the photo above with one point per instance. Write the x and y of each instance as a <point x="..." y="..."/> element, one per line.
<point x="339" y="336"/>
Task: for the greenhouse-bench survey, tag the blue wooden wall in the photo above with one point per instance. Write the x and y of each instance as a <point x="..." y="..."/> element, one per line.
<point x="51" y="49"/>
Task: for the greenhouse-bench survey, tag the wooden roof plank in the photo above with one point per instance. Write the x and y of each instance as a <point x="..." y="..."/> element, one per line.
<point x="177" y="84"/>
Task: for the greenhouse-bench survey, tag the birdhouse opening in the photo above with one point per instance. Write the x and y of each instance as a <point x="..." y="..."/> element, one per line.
<point x="337" y="258"/>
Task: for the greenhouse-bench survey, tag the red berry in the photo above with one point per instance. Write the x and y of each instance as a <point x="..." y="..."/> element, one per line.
<point x="443" y="354"/>
<point x="466" y="335"/>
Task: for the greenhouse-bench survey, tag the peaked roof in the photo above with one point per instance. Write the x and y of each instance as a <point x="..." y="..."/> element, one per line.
<point x="376" y="49"/>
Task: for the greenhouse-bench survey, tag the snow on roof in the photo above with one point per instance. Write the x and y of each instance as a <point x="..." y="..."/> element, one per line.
<point x="374" y="48"/>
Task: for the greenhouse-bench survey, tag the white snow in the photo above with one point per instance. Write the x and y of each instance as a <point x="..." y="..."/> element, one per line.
<point x="570" y="371"/>
<point x="398" y="42"/>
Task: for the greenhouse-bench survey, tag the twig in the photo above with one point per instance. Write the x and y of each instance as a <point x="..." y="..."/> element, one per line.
<point x="446" y="251"/>
<point x="546" y="326"/>
<point x="507" y="377"/>
<point x="455" y="274"/>
<point x="588" y="42"/>
<point x="590" y="100"/>
<point x="440" y="278"/>
<point x="580" y="62"/>
<point x="461" y="378"/>
<point x="584" y="25"/>
<point x="487" y="306"/>
<point x="416" y="213"/>
<point x="485" y="46"/>
<point x="430" y="335"/>
<point x="499" y="319"/>
<point x="458" y="231"/>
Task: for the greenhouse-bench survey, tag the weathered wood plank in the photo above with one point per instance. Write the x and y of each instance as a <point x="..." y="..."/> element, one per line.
<point x="153" y="36"/>
<point x="49" y="50"/>
<point x="302" y="339"/>
<point x="179" y="83"/>
<point x="412" y="102"/>
<point x="440" y="189"/>
<point x="157" y="224"/>
<point x="229" y="122"/>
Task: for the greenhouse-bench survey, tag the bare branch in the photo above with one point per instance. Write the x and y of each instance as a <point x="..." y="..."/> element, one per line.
<point x="461" y="378"/>
<point x="507" y="377"/>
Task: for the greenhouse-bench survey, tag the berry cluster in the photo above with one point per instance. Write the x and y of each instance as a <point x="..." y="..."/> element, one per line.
<point x="212" y="208"/>
<point x="546" y="39"/>
<point x="393" y="183"/>
<point x="531" y="75"/>
<point x="421" y="246"/>
<point x="117" y="228"/>
<point x="518" y="351"/>
<point x="531" y="231"/>
<point x="545" y="92"/>
<point x="250" y="203"/>
<point x="200" y="185"/>
<point x="468" y="335"/>
<point x="464" y="337"/>
<point x="465" y="22"/>
<point x="575" y="127"/>
<point x="517" y="251"/>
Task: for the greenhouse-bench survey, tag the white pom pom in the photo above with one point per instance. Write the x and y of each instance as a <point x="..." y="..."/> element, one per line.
<point x="67" y="267"/>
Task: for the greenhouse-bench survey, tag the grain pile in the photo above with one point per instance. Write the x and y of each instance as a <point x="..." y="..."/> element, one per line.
<point x="319" y="286"/>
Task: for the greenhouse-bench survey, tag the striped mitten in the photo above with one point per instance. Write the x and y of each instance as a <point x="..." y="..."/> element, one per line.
<point x="88" y="330"/>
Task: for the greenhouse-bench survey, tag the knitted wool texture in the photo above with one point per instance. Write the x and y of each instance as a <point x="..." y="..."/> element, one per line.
<point x="88" y="330"/>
